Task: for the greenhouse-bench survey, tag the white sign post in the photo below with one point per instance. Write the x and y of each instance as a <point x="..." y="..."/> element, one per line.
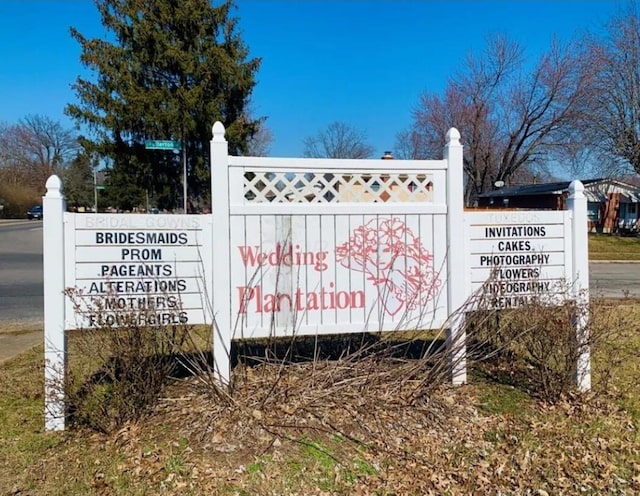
<point x="221" y="303"/>
<point x="456" y="249"/>
<point x="577" y="205"/>
<point x="55" y="345"/>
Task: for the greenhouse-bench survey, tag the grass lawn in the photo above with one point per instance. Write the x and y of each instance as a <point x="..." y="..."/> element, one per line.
<point x="324" y="438"/>
<point x="608" y="247"/>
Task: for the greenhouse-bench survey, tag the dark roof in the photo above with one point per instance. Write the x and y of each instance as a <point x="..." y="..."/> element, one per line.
<point x="534" y="189"/>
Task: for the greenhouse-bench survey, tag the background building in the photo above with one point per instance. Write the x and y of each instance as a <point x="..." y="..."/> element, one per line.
<point x="613" y="205"/>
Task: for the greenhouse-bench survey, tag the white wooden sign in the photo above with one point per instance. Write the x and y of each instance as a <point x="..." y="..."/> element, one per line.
<point x="316" y="274"/>
<point x="516" y="257"/>
<point x="137" y="269"/>
<point x="308" y="246"/>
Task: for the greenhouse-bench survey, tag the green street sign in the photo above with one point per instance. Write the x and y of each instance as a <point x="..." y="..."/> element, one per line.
<point x="162" y="145"/>
<point x="99" y="187"/>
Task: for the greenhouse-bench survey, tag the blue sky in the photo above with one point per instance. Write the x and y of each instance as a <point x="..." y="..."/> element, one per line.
<point x="363" y="62"/>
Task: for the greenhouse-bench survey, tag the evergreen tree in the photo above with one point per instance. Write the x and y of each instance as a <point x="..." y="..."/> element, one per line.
<point x="78" y="182"/>
<point x="170" y="69"/>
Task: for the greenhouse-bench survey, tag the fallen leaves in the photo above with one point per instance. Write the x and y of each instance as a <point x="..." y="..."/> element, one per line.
<point x="290" y="431"/>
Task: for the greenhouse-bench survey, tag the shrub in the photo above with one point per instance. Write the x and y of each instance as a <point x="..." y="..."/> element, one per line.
<point x="17" y="199"/>
<point x="533" y="347"/>
<point x="116" y="374"/>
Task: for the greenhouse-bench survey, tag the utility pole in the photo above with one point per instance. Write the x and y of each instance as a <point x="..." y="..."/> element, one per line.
<point x="95" y="192"/>
<point x="184" y="172"/>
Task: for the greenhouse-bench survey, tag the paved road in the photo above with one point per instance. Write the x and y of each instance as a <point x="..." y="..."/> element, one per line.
<point x="15" y="342"/>
<point x="614" y="279"/>
<point x="21" y="298"/>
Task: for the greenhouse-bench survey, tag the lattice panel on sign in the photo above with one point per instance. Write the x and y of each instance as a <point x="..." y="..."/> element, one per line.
<point x="298" y="187"/>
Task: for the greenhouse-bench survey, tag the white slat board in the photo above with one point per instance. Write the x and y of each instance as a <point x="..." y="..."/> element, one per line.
<point x="146" y="269"/>
<point x="515" y="257"/>
<point x="325" y="273"/>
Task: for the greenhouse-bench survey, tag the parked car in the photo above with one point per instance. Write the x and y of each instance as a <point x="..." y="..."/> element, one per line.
<point x="35" y="212"/>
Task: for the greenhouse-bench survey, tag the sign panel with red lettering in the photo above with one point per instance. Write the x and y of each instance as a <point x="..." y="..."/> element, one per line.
<point x="312" y="273"/>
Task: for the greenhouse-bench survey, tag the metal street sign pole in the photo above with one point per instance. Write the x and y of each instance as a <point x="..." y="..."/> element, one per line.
<point x="95" y="192"/>
<point x="175" y="146"/>
<point x="184" y="177"/>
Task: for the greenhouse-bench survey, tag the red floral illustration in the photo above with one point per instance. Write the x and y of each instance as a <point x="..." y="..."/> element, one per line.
<point x="395" y="260"/>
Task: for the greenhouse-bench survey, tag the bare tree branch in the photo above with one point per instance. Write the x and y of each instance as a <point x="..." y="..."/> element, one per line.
<point x="511" y="117"/>
<point x="35" y="148"/>
<point x="338" y="140"/>
<point x="614" y="116"/>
